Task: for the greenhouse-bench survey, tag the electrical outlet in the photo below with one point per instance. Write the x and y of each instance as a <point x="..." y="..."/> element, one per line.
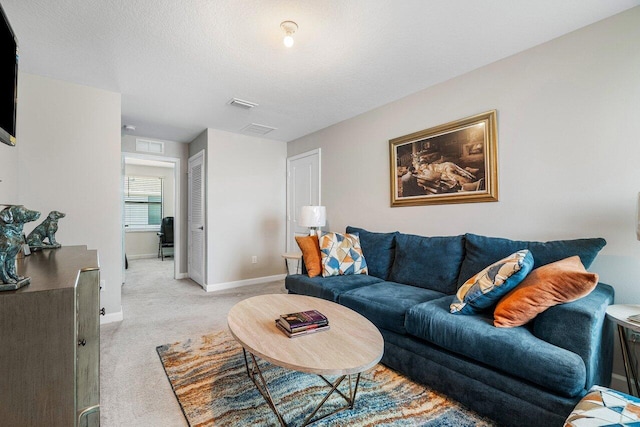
<point x="254" y="259"/>
<point x="103" y="285"/>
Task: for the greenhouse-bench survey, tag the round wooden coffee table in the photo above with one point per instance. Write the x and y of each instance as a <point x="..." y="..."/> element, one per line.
<point x="351" y="346"/>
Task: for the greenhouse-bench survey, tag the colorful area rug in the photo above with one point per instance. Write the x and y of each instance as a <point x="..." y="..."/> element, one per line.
<point x="209" y="379"/>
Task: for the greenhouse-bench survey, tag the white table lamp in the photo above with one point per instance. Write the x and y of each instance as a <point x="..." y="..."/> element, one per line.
<point x="313" y="217"/>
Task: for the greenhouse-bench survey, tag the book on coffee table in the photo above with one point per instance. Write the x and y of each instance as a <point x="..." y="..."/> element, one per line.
<point x="302" y="320"/>
<point x="301" y="332"/>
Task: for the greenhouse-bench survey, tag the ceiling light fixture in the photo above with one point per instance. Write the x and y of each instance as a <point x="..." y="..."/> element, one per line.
<point x="289" y="27"/>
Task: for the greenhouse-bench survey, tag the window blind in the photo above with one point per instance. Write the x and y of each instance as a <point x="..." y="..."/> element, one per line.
<point x="142" y="202"/>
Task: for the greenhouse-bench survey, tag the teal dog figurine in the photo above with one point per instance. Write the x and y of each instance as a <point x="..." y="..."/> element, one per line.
<point x="12" y="221"/>
<point x="45" y="230"/>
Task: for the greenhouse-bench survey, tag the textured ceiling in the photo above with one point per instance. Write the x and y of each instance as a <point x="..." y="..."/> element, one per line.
<point x="178" y="62"/>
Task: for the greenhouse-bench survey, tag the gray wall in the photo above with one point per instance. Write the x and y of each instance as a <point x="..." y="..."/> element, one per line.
<point x="246" y="202"/>
<point x="567" y="143"/>
<point x="69" y="160"/>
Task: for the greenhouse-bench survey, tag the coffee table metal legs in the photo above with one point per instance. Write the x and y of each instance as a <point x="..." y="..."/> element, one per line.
<point x="255" y="374"/>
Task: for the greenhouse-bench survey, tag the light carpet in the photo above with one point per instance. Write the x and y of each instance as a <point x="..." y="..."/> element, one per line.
<point x="209" y="379"/>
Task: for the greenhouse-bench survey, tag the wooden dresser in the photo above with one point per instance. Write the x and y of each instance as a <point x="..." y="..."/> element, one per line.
<point x="50" y="341"/>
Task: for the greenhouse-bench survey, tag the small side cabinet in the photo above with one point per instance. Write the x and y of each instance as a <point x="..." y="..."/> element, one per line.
<point x="50" y="341"/>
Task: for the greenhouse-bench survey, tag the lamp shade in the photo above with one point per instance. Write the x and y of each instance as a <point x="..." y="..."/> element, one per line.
<point x="313" y="216"/>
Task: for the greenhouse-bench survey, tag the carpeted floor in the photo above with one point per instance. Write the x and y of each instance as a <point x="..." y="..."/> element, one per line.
<point x="209" y="379"/>
<point x="134" y="391"/>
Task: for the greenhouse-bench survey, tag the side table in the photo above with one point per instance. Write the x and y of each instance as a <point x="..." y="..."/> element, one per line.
<point x="291" y="256"/>
<point x="619" y="313"/>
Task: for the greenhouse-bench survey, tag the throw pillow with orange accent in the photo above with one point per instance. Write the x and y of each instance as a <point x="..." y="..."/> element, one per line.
<point x="310" y="254"/>
<point x="341" y="255"/>
<point x="486" y="288"/>
<point x="552" y="284"/>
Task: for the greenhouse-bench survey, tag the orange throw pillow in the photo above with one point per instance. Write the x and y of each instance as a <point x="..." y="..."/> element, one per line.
<point x="310" y="254"/>
<point x="552" y="284"/>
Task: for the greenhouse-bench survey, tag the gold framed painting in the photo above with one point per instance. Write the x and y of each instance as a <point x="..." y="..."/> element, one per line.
<point x="451" y="163"/>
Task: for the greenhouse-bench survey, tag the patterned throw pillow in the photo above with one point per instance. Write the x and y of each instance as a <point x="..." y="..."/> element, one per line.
<point x="341" y="255"/>
<point x="487" y="287"/>
<point x="605" y="407"/>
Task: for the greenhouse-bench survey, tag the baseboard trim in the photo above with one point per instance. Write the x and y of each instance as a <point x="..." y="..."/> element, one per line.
<point x="238" y="283"/>
<point x="112" y="317"/>
<point x="618" y="377"/>
<point x="142" y="256"/>
<point x="619" y="382"/>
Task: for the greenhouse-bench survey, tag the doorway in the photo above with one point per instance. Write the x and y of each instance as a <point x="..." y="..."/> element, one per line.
<point x="303" y="189"/>
<point x="151" y="193"/>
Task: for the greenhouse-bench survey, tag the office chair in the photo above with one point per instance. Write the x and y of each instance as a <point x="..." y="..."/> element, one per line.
<point x="165" y="236"/>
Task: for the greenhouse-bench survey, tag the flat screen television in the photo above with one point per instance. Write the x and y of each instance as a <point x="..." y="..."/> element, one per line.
<point x="8" y="81"/>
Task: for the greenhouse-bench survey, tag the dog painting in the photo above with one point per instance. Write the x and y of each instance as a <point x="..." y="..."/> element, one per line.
<point x="12" y="221"/>
<point x="45" y="230"/>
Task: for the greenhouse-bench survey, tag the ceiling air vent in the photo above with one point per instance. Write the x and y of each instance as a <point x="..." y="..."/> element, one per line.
<point x="258" y="129"/>
<point x="241" y="103"/>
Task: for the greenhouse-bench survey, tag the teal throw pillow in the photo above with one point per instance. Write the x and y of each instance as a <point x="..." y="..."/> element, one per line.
<point x="485" y="288"/>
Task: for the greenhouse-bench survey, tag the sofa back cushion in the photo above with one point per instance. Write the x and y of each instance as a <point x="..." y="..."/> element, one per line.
<point x="482" y="251"/>
<point x="428" y="262"/>
<point x="378" y="249"/>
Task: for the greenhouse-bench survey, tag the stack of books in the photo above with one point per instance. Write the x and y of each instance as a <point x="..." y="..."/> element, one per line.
<point x="302" y="323"/>
<point x="635" y="318"/>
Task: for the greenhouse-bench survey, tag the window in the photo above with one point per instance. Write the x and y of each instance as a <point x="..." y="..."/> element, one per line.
<point x="142" y="202"/>
<point x="147" y="146"/>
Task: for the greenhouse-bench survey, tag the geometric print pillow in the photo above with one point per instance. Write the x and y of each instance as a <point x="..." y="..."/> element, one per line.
<point x="341" y="255"/>
<point x="605" y="407"/>
<point x="485" y="289"/>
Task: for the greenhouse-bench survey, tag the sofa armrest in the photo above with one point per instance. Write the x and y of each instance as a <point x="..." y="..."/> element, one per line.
<point x="582" y="327"/>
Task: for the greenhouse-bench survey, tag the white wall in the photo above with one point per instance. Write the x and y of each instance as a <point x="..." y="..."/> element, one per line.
<point x="246" y="201"/>
<point x="568" y="126"/>
<point x="69" y="160"/>
<point x="144" y="244"/>
<point x="8" y="175"/>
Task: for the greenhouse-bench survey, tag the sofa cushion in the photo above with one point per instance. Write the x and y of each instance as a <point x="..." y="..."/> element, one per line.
<point x="485" y="289"/>
<point x="386" y="303"/>
<point x="378" y="249"/>
<point x="552" y="284"/>
<point x="482" y="251"/>
<point x="328" y="288"/>
<point x="310" y="249"/>
<point x="515" y="351"/>
<point x="429" y="262"/>
<point x="341" y="254"/>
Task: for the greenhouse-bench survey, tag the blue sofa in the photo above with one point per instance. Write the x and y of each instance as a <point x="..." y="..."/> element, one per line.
<point x="529" y="375"/>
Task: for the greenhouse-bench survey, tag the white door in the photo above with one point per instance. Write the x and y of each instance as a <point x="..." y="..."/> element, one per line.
<point x="303" y="189"/>
<point x="196" y="216"/>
